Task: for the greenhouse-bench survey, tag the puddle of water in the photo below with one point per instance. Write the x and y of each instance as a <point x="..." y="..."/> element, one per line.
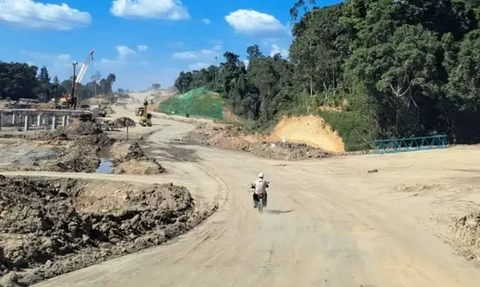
<point x="106" y="166"/>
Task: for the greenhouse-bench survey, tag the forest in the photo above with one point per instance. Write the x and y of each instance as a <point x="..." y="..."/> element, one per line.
<point x="371" y="68"/>
<point x="20" y="80"/>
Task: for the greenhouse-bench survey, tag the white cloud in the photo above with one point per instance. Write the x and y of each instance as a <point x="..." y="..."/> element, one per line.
<point x="199" y="66"/>
<point x="208" y="52"/>
<point x="64" y="57"/>
<point x="276" y="50"/>
<point x="160" y="9"/>
<point x="185" y="55"/>
<point x="123" y="52"/>
<point x="32" y="15"/>
<point x="142" y="48"/>
<point x="254" y="22"/>
<point x="246" y="62"/>
<point x="206" y="21"/>
<point x="50" y="57"/>
<point x="108" y="61"/>
<point x="204" y="53"/>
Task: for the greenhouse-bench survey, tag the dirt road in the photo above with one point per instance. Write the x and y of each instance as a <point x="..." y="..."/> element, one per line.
<point x="328" y="223"/>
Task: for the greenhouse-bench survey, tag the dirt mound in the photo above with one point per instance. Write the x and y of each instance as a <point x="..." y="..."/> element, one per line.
<point x="124" y="150"/>
<point x="84" y="132"/>
<point x="138" y="167"/>
<point x="466" y="236"/>
<point x="223" y="136"/>
<point x="108" y="110"/>
<point x="310" y="130"/>
<point x="81" y="128"/>
<point x="123" y="122"/>
<point x="56" y="226"/>
<point x="287" y="151"/>
<point x="232" y="137"/>
<point x="129" y="158"/>
<point x="77" y="158"/>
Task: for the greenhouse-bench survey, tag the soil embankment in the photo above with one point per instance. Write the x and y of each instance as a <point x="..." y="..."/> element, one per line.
<point x="233" y="137"/>
<point x="53" y="226"/>
<point x="310" y="130"/>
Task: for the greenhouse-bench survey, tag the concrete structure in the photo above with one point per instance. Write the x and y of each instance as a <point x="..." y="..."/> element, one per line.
<point x="26" y="117"/>
<point x="27" y="123"/>
<point x="54" y="123"/>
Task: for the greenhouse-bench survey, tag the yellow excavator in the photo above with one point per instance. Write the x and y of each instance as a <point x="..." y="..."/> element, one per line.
<point x="145" y="116"/>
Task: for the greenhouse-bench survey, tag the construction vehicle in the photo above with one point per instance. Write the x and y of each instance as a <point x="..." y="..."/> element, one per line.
<point x="70" y="101"/>
<point x="145" y="116"/>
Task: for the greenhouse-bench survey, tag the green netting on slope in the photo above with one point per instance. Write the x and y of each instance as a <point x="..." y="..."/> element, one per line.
<point x="195" y="93"/>
<point x="196" y="103"/>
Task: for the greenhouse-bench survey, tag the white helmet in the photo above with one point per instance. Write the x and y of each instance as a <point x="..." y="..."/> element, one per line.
<point x="260" y="175"/>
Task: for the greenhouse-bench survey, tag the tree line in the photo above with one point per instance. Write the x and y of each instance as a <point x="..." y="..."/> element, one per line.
<point x="20" y="80"/>
<point x="391" y="69"/>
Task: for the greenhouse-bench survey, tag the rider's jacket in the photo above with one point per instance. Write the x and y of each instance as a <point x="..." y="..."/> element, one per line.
<point x="260" y="186"/>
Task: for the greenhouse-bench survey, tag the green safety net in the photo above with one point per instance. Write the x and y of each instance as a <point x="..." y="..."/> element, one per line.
<point x="200" y="103"/>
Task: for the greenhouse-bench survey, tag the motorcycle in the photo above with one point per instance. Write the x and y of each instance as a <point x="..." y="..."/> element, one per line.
<point x="261" y="200"/>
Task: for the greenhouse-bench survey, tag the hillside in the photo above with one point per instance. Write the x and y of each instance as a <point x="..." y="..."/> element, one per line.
<point x="199" y="102"/>
<point x="371" y="69"/>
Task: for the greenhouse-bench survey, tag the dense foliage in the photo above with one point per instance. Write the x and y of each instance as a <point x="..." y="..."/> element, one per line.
<point x="394" y="68"/>
<point x="19" y="80"/>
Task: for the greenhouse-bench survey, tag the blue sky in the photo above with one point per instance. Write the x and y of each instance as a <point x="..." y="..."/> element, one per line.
<point x="142" y="41"/>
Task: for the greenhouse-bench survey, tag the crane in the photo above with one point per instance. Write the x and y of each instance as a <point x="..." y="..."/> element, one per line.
<point x="71" y="100"/>
<point x="84" y="68"/>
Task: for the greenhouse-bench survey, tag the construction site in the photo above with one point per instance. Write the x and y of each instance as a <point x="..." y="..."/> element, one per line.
<point x="155" y="191"/>
<point x="79" y="190"/>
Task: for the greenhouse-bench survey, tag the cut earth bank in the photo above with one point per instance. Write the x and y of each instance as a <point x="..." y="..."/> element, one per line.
<point x="307" y="137"/>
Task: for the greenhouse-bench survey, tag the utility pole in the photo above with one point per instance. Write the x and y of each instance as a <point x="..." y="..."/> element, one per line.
<point x="73" y="97"/>
<point x="215" y="74"/>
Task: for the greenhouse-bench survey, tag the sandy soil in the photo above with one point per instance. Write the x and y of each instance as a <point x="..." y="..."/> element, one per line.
<point x="233" y="137"/>
<point x="310" y="130"/>
<point x="329" y="222"/>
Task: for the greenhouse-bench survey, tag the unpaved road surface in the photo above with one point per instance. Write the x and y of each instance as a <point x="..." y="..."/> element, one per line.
<point x="329" y="222"/>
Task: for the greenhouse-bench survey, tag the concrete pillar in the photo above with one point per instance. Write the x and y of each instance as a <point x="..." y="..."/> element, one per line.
<point x="54" y="123"/>
<point x="1" y="121"/>
<point x="39" y="120"/>
<point x="64" y="121"/>
<point x="14" y="119"/>
<point x="68" y="120"/>
<point x="27" y="123"/>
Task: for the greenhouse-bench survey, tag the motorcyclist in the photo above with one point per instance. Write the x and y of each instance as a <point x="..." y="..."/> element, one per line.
<point x="260" y="186"/>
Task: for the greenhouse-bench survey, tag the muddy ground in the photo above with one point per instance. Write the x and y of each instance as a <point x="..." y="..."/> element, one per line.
<point x="75" y="148"/>
<point x="465" y="237"/>
<point x="53" y="226"/>
<point x="129" y="158"/>
<point x="234" y="137"/>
